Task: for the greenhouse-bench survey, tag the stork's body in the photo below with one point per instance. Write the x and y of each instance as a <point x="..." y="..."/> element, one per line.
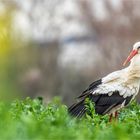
<point x="114" y="91"/>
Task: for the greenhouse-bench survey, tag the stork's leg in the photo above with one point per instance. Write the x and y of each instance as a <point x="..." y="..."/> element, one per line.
<point x="116" y="114"/>
<point x="110" y="118"/>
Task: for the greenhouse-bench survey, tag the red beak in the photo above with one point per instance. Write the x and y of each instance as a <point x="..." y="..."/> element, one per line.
<point x="131" y="55"/>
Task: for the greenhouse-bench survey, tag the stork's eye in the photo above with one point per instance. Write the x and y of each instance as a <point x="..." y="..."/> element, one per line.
<point x="138" y="47"/>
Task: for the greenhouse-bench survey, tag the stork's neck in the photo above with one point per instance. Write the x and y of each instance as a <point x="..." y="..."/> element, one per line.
<point x="135" y="62"/>
<point x="134" y="67"/>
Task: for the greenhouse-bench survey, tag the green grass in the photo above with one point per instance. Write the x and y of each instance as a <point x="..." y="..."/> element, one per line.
<point x="33" y="120"/>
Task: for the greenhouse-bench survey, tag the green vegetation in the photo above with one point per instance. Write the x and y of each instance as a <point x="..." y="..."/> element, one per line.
<point x="32" y="120"/>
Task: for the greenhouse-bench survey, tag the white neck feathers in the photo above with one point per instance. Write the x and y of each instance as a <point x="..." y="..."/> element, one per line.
<point x="135" y="62"/>
<point x="133" y="69"/>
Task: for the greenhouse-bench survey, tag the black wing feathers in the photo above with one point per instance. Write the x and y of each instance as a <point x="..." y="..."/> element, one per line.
<point x="77" y="109"/>
<point x="107" y="103"/>
<point x="91" y="87"/>
<point x="103" y="102"/>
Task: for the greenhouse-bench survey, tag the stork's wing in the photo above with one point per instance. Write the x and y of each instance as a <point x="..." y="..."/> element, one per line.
<point x="114" y="76"/>
<point x="106" y="104"/>
<point x="106" y="97"/>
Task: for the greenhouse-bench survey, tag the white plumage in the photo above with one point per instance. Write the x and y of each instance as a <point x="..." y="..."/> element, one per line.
<point x="120" y="82"/>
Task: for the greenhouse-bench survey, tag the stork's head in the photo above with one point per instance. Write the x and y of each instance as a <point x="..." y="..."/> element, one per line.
<point x="134" y="52"/>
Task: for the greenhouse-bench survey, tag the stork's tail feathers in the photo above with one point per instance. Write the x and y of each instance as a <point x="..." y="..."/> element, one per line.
<point x="77" y="109"/>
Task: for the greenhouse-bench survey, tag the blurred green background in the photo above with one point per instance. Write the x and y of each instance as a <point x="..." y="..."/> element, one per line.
<point x="57" y="48"/>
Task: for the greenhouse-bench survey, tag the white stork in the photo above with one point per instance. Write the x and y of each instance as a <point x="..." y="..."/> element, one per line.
<point x="113" y="91"/>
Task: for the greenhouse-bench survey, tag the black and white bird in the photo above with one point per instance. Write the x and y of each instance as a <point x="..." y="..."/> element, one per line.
<point x="114" y="91"/>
